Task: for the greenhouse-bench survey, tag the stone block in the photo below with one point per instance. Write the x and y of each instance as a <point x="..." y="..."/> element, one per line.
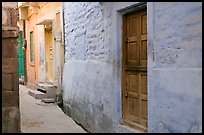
<point x="7" y="81"/>
<point x="11" y="120"/>
<point x="36" y="94"/>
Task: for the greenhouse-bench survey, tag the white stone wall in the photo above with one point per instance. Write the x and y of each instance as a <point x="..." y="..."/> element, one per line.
<point x="87" y="31"/>
<point x="87" y="75"/>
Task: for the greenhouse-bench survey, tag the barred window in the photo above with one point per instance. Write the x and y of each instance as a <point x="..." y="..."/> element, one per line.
<point x="32" y="53"/>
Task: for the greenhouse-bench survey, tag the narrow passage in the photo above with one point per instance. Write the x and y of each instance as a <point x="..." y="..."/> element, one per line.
<point x="38" y="117"/>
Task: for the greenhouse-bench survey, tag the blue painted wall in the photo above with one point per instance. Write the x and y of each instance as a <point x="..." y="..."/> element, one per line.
<point x="92" y="72"/>
<point x="175" y="67"/>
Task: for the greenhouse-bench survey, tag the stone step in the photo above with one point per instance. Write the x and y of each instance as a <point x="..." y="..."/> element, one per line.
<point x="21" y="81"/>
<point x="48" y="100"/>
<point x="45" y="86"/>
<point x="37" y="94"/>
<point x="49" y="89"/>
<point x="42" y="90"/>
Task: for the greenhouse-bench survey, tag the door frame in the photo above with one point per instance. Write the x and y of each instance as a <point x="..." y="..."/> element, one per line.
<point x="138" y="7"/>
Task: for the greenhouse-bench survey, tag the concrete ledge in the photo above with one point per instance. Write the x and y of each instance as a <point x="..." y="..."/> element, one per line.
<point x="49" y="89"/>
<point x="48" y="100"/>
<point x="36" y="94"/>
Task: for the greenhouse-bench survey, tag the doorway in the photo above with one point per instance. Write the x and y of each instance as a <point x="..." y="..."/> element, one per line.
<point x="21" y="56"/>
<point x="49" y="54"/>
<point x="134" y="70"/>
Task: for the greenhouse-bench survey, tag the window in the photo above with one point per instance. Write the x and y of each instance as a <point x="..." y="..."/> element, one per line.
<point x="32" y="53"/>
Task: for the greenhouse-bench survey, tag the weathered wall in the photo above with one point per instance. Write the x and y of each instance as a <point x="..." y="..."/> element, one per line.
<point x="175" y="69"/>
<point x="92" y="72"/>
<point x="10" y="89"/>
<point x="88" y="72"/>
<point x="37" y="72"/>
<point x="32" y="68"/>
<point x="48" y="10"/>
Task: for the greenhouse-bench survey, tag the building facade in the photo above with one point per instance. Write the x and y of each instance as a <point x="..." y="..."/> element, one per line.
<point x="133" y="66"/>
<point x="43" y="26"/>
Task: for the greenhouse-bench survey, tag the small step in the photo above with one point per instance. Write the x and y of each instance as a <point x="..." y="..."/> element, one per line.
<point x="49" y="89"/>
<point x="36" y="94"/>
<point x="41" y="90"/>
<point x="48" y="100"/>
<point x="45" y="85"/>
<point x="21" y="81"/>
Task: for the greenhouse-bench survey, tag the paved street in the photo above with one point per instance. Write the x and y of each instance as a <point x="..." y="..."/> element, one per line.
<point x="38" y="117"/>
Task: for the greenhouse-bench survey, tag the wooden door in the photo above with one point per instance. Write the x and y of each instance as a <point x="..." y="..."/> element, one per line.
<point x="20" y="57"/>
<point x="49" y="54"/>
<point x="134" y="94"/>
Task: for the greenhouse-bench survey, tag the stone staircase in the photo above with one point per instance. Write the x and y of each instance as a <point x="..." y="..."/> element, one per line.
<point x="45" y="91"/>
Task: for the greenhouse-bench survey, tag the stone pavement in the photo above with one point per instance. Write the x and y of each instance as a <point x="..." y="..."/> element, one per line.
<point x="38" y="117"/>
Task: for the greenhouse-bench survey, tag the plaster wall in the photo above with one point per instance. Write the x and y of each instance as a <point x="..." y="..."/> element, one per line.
<point x="32" y="67"/>
<point x="175" y="67"/>
<point x="37" y="72"/>
<point x="92" y="71"/>
<point x="48" y="10"/>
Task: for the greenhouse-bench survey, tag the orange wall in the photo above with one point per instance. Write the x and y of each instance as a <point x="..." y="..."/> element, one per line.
<point x="32" y="69"/>
<point x="47" y="11"/>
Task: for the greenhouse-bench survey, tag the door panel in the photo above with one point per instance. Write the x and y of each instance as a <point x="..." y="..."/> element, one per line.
<point x="49" y="54"/>
<point x="20" y="57"/>
<point x="133" y="53"/>
<point x="143" y="55"/>
<point x="134" y="95"/>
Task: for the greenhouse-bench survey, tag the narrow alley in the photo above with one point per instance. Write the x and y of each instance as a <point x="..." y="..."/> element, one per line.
<point x="101" y="67"/>
<point x="39" y="117"/>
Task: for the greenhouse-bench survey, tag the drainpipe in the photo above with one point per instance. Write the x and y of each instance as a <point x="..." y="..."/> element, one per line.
<point x="24" y="45"/>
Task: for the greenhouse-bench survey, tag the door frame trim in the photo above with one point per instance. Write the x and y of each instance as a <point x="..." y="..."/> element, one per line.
<point x="130" y="9"/>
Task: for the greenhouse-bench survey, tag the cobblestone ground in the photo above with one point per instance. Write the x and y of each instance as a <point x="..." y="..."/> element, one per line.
<point x="38" y="117"/>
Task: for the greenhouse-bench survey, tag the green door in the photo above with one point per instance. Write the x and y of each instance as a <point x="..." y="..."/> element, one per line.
<point x="20" y="57"/>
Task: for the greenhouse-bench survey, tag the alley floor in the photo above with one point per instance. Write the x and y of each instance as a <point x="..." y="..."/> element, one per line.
<point x="38" y="117"/>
